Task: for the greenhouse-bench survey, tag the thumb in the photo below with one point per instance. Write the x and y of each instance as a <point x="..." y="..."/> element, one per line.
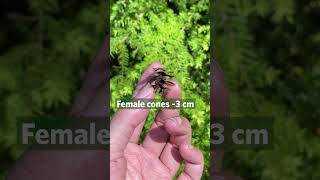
<point x="122" y="127"/>
<point x="124" y="122"/>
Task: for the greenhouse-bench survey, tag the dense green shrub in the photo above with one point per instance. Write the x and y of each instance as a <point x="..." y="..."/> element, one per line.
<point x="174" y="33"/>
<point x="46" y="47"/>
<point x="269" y="51"/>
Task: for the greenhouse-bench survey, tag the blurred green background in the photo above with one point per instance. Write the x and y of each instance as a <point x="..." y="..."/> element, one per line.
<point x="46" y="48"/>
<point x="176" y="33"/>
<point x="270" y="52"/>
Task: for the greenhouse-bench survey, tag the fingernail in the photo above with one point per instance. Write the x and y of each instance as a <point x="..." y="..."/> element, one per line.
<point x="176" y="121"/>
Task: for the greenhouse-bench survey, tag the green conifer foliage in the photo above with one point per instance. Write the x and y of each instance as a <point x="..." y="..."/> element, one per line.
<point x="269" y="51"/>
<point x="46" y="47"/>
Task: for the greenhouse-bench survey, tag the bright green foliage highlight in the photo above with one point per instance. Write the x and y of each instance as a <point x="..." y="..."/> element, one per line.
<point x="174" y="33"/>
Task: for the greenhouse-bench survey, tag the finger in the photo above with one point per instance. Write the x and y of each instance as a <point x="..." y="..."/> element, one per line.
<point x="173" y="92"/>
<point x="157" y="136"/>
<point x="194" y="162"/>
<point x="125" y="121"/>
<point x="137" y="132"/>
<point x="155" y="139"/>
<point x="127" y="124"/>
<point x="147" y="75"/>
<point x="179" y="130"/>
<point x="143" y="81"/>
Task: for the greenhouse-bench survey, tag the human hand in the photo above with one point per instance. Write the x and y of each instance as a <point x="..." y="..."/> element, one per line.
<point x="165" y="147"/>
